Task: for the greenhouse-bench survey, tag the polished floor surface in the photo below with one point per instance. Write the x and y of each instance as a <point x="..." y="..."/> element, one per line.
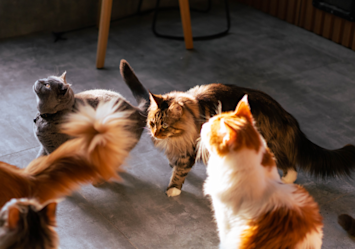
<point x="313" y="78"/>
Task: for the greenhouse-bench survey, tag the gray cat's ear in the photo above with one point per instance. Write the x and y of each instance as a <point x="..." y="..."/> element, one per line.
<point x="156" y="98"/>
<point x="63" y="77"/>
<point x="64" y="89"/>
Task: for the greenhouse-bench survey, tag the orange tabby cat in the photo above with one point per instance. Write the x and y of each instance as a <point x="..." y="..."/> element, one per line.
<point x="253" y="208"/>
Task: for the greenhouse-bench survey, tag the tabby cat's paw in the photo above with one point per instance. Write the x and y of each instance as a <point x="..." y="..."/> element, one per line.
<point x="173" y="192"/>
<point x="290" y="177"/>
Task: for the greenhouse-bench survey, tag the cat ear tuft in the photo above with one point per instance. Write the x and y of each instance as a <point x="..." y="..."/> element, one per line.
<point x="49" y="212"/>
<point x="228" y="133"/>
<point x="13" y="217"/>
<point x="64" y="89"/>
<point x="175" y="109"/>
<point x="156" y="98"/>
<point x="63" y="77"/>
<point x="243" y="108"/>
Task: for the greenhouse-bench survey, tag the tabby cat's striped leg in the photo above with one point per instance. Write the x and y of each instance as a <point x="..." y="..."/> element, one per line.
<point x="182" y="167"/>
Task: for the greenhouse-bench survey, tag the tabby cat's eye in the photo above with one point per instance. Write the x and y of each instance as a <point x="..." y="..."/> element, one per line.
<point x="165" y="125"/>
<point x="48" y="86"/>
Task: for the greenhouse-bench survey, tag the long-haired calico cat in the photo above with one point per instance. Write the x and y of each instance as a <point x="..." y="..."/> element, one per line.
<point x="175" y="121"/>
<point x="55" y="99"/>
<point x="102" y="141"/>
<point x="253" y="208"/>
<point x="25" y="224"/>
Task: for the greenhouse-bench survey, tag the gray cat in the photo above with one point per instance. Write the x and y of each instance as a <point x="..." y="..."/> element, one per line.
<point x="55" y="99"/>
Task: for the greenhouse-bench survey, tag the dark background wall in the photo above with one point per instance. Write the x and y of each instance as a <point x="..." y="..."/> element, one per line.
<point x="20" y="17"/>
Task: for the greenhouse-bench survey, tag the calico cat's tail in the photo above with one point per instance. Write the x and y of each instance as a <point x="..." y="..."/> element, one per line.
<point x="140" y="93"/>
<point x="324" y="163"/>
<point x="348" y="223"/>
<point x="102" y="141"/>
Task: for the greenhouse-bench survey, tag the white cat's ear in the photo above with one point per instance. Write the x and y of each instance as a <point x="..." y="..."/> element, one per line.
<point x="228" y="133"/>
<point x="243" y="108"/>
<point x="63" y="77"/>
<point x="49" y="212"/>
<point x="13" y="217"/>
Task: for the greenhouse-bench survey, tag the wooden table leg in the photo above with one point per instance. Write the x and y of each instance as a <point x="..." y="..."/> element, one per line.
<point x="186" y="23"/>
<point x="105" y="18"/>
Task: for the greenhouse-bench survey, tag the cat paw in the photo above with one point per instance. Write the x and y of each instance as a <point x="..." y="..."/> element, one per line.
<point x="173" y="192"/>
<point x="290" y="177"/>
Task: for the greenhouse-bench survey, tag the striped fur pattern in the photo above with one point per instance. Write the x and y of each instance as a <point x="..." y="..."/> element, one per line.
<point x="253" y="208"/>
<point x="174" y="118"/>
<point x="102" y="141"/>
<point x="25" y="224"/>
<point x="174" y="124"/>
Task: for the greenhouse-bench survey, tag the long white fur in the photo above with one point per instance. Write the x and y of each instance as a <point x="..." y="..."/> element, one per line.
<point x="242" y="189"/>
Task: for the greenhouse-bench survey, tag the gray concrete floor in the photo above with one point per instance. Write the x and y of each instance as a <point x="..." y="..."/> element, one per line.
<point x="313" y="78"/>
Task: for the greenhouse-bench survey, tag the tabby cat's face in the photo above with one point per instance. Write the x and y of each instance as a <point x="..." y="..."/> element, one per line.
<point x="164" y="118"/>
<point x="53" y="94"/>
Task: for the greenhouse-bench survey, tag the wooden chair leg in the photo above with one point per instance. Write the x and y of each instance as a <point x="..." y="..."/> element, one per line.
<point x="104" y="29"/>
<point x="186" y="23"/>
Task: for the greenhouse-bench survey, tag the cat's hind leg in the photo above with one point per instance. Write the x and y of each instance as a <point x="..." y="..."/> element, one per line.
<point x="289" y="175"/>
<point x="182" y="167"/>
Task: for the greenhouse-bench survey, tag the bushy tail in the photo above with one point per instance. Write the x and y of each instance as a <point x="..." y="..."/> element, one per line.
<point x="348" y="223"/>
<point x="325" y="163"/>
<point x="102" y="141"/>
<point x="138" y="90"/>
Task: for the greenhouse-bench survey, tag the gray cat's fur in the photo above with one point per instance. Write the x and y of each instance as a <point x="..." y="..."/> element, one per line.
<point x="55" y="99"/>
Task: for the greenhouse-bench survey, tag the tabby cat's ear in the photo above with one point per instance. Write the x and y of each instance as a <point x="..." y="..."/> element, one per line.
<point x="175" y="109"/>
<point x="243" y="108"/>
<point x="13" y="217"/>
<point x="63" y="77"/>
<point x="156" y="98"/>
<point x="49" y="212"/>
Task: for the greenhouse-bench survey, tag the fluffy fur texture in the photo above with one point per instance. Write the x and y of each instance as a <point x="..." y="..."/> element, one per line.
<point x="348" y="223"/>
<point x="102" y="141"/>
<point x="175" y="121"/>
<point x="25" y="224"/>
<point x="253" y="208"/>
<point x="55" y="99"/>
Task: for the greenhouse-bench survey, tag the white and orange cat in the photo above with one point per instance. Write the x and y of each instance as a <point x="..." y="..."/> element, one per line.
<point x="253" y="208"/>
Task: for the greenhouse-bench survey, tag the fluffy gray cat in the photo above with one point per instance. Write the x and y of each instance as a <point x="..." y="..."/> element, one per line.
<point x="55" y="99"/>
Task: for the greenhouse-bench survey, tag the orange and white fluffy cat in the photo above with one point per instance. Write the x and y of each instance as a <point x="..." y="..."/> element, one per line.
<point x="253" y="208"/>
